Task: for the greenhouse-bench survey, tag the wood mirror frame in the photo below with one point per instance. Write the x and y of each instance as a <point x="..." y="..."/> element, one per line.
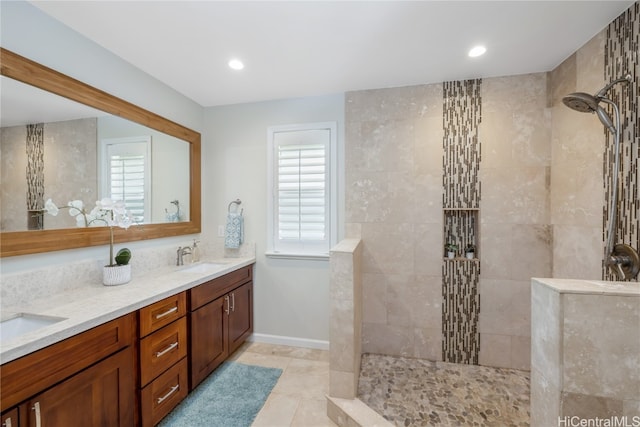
<point x="37" y="241"/>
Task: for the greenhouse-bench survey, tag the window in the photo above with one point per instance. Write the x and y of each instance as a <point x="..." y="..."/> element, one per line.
<point x="126" y="174"/>
<point x="302" y="190"/>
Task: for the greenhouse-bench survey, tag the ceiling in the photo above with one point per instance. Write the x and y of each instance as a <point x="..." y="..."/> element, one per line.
<point x="307" y="48"/>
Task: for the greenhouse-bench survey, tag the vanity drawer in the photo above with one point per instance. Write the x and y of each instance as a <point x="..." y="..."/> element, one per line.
<point x="164" y="393"/>
<point x="162" y="349"/>
<point x="161" y="313"/>
<point x="209" y="291"/>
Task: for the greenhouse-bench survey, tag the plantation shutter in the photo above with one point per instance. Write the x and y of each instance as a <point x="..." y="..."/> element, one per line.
<point x="302" y="192"/>
<point x="127" y="183"/>
<point x="127" y="174"/>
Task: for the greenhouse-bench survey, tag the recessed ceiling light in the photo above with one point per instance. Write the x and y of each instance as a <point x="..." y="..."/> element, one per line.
<point x="236" y="64"/>
<point x="477" y="51"/>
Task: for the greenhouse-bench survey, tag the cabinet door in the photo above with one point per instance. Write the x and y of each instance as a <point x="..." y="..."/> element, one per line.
<point x="208" y="339"/>
<point x="102" y="395"/>
<point x="240" y="316"/>
<point x="10" y="418"/>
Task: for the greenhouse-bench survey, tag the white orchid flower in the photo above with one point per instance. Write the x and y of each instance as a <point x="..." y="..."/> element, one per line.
<point x="51" y="207"/>
<point x="105" y="204"/>
<point x="76" y="207"/>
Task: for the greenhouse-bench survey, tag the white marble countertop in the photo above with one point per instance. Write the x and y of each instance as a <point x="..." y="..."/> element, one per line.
<point x="86" y="307"/>
<point x="595" y="287"/>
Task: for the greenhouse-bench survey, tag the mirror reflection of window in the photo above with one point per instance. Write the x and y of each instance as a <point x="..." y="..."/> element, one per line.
<point x="125" y="174"/>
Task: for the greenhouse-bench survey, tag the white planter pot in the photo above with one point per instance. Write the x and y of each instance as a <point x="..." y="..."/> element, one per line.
<point x="470" y="255"/>
<point x="451" y="255"/>
<point x="116" y="275"/>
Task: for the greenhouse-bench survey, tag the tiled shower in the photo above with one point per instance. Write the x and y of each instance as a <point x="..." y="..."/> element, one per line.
<point x="541" y="178"/>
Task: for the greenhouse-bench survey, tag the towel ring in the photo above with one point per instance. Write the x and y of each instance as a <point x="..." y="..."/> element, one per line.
<point x="236" y="202"/>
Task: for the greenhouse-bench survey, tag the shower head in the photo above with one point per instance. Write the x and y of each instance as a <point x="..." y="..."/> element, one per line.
<point x="585" y="103"/>
<point x="582" y="102"/>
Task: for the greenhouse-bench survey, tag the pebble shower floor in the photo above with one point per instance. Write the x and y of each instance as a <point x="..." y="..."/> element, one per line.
<point x="415" y="392"/>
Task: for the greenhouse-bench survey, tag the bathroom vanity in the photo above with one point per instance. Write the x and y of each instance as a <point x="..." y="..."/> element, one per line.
<point x="126" y="356"/>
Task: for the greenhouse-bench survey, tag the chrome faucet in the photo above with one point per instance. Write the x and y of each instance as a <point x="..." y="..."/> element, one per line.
<point x="181" y="253"/>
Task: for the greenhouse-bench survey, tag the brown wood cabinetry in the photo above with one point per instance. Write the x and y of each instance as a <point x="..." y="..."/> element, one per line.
<point x="135" y="369"/>
<point x="163" y="358"/>
<point x="84" y="380"/>
<point x="221" y="319"/>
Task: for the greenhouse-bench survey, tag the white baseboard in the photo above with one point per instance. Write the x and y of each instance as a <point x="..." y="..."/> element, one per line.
<point x="290" y="341"/>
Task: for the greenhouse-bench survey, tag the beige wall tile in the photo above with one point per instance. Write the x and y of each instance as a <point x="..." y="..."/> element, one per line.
<point x="428" y="249"/>
<point x="589" y="407"/>
<point x="577" y="252"/>
<point x="601" y="345"/>
<point x="428" y="342"/>
<point x="495" y="350"/>
<point x="374" y="298"/>
<point x="388" y="248"/>
<point x="562" y="80"/>
<point x="514" y="195"/>
<point x="520" y="353"/>
<point x="505" y="307"/>
<point x="386" y="339"/>
<point x="343" y="384"/>
<point x="545" y="400"/>
<point x="546" y="335"/>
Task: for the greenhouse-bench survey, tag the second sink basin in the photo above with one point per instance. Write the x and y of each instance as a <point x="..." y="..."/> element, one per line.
<point x="203" y="268"/>
<point x="23" y="323"/>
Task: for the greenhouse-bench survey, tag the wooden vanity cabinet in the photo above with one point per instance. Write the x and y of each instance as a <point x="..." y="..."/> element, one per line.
<point x="164" y="378"/>
<point x="84" y="380"/>
<point x="220" y="319"/>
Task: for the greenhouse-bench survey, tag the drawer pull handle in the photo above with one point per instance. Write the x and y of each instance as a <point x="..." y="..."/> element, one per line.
<point x="173" y="390"/>
<point x="233" y="302"/>
<point x="36" y="408"/>
<point x="226" y="300"/>
<point x="166" y="313"/>
<point x="166" y="350"/>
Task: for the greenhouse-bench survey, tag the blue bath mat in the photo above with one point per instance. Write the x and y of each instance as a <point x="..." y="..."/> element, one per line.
<point x="231" y="396"/>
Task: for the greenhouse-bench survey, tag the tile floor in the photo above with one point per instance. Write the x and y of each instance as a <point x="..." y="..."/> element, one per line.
<point x="298" y="398"/>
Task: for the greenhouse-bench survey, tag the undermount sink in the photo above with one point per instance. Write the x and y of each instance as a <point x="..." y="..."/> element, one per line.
<point x="203" y="268"/>
<point x="24" y="322"/>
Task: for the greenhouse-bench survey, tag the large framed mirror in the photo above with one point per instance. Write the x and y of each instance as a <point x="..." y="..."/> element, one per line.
<point x="173" y="201"/>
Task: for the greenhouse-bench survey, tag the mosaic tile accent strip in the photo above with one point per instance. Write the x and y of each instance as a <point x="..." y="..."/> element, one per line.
<point x="621" y="58"/>
<point x="415" y="392"/>
<point x="461" y="119"/>
<point x="461" y="163"/>
<point x="460" y="311"/>
<point x="35" y="174"/>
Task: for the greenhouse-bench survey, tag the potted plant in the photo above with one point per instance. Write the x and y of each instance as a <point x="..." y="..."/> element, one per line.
<point x="470" y="251"/>
<point x="118" y="271"/>
<point x="451" y="249"/>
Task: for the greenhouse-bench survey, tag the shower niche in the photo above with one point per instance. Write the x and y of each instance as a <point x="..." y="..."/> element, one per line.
<point x="461" y="232"/>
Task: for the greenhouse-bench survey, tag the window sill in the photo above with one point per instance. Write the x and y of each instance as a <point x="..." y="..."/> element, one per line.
<point x="310" y="257"/>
